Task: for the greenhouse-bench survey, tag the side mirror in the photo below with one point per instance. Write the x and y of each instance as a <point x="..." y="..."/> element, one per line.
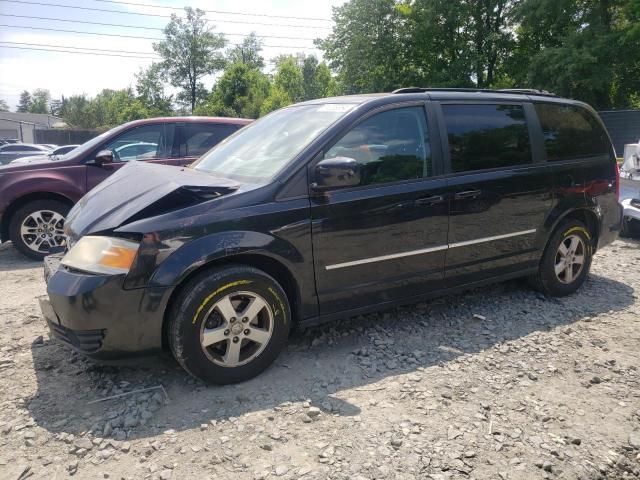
<point x="334" y="173"/>
<point x="103" y="157"/>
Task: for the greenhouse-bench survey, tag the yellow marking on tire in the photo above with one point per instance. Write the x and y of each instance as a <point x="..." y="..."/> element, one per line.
<point x="578" y="229"/>
<point x="221" y="289"/>
<point x="279" y="301"/>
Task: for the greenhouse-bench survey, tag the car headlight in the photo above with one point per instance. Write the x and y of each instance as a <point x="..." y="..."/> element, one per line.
<point x="107" y="255"/>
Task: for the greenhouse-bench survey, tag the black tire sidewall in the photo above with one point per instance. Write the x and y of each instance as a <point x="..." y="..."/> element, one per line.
<point x="550" y="281"/>
<point x="190" y="310"/>
<point x="18" y="217"/>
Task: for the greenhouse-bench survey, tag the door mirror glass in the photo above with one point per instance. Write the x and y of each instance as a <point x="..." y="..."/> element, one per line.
<point x="103" y="157"/>
<point x="338" y="172"/>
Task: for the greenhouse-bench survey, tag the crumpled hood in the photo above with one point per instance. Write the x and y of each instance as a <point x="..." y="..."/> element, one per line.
<point x="139" y="190"/>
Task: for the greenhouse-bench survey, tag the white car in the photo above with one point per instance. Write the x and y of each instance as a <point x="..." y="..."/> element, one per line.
<point x="630" y="190"/>
<point x="55" y="154"/>
<point x="11" y="151"/>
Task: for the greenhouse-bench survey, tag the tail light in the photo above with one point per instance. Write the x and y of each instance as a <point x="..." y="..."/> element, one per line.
<point x="618" y="181"/>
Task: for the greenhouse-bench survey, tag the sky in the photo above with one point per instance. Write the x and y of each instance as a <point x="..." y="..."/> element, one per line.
<point x="76" y="73"/>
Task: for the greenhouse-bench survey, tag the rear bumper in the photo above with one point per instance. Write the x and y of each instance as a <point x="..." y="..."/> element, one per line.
<point x="95" y="316"/>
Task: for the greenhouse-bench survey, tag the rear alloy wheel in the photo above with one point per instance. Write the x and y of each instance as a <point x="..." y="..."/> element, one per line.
<point x="566" y="260"/>
<point x="227" y="325"/>
<point x="37" y="227"/>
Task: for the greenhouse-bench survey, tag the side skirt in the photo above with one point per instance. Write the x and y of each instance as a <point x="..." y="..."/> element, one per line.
<point x="319" y="320"/>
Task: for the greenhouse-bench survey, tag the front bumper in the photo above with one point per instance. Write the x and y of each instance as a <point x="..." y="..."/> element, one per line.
<point x="96" y="316"/>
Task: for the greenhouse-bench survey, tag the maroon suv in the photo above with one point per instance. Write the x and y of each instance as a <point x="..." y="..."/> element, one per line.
<point x="36" y="197"/>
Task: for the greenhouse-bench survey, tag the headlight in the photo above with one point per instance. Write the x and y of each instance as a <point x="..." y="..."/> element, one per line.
<point x="102" y="255"/>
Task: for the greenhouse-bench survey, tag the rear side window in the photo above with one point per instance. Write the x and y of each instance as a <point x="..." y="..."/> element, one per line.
<point x="486" y="136"/>
<point x="201" y="137"/>
<point x="571" y="132"/>
<point x="390" y="146"/>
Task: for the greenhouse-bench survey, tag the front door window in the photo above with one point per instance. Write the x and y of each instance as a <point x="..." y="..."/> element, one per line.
<point x="143" y="143"/>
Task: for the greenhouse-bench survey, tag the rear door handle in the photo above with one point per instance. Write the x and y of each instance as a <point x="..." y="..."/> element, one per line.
<point x="433" y="200"/>
<point x="468" y="194"/>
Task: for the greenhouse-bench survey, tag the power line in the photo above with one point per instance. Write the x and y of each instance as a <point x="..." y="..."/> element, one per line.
<point x="142" y="38"/>
<point x="69" y="51"/>
<point x="225" y="12"/>
<point x="146" y="38"/>
<point x="80" y="48"/>
<point x="75" y="7"/>
<point x="79" y="21"/>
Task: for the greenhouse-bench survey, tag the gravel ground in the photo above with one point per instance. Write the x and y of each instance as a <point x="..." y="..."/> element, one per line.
<point x="499" y="382"/>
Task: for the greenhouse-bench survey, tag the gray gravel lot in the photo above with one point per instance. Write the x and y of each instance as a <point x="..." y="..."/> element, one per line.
<point x="499" y="382"/>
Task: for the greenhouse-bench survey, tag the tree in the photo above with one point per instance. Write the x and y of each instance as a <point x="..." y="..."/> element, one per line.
<point x="74" y="111"/>
<point x="240" y="92"/>
<point x="318" y="82"/>
<point x="40" y="99"/>
<point x="585" y="49"/>
<point x="288" y="85"/>
<point x="150" y="90"/>
<point x="366" y="46"/>
<point x="25" y="102"/>
<point x="380" y="45"/>
<point x="190" y="51"/>
<point x="4" y="107"/>
<point x="247" y="52"/>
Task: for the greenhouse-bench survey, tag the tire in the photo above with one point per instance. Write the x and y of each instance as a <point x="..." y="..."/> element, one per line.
<point x="202" y="313"/>
<point x="52" y="213"/>
<point x="568" y="280"/>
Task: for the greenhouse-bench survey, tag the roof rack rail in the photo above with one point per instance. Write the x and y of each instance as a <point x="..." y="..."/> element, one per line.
<point x="514" y="91"/>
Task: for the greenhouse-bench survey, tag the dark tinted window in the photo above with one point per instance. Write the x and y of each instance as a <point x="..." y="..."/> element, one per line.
<point x="201" y="137"/>
<point x="486" y="136"/>
<point x="390" y="146"/>
<point x="571" y="132"/>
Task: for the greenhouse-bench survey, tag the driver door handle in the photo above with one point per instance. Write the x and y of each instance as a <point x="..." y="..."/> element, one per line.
<point x="432" y="200"/>
<point x="467" y="194"/>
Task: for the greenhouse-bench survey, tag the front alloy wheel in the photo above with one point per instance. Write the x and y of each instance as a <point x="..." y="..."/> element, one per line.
<point x="237" y="329"/>
<point x="37" y="227"/>
<point x="42" y="230"/>
<point x="228" y="324"/>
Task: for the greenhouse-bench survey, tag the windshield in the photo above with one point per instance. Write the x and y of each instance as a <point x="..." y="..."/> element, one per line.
<point x="260" y="150"/>
<point x="87" y="146"/>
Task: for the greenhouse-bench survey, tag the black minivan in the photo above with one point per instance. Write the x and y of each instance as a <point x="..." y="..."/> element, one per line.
<point x="331" y="208"/>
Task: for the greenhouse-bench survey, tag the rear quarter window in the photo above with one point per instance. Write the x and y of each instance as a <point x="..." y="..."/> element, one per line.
<point x="571" y="132"/>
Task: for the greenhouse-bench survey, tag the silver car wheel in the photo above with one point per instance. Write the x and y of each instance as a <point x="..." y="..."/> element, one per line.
<point x="236" y="329"/>
<point x="570" y="259"/>
<point x="42" y="230"/>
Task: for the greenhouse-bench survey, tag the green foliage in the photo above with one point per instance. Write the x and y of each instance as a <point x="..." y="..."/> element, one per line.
<point x="35" y="102"/>
<point x="190" y="51"/>
<point x="367" y="47"/>
<point x="586" y="49"/>
<point x="277" y="98"/>
<point x="150" y="91"/>
<point x="108" y="109"/>
<point x="240" y="92"/>
<point x="25" y="102"/>
<point x="4" y="107"/>
<point x="247" y="52"/>
<point x="40" y="99"/>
